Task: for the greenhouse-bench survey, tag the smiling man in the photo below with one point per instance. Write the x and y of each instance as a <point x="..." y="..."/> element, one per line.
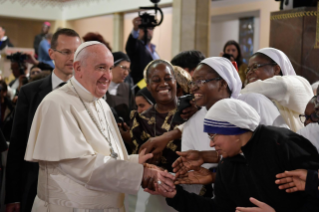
<point x="76" y="141"/>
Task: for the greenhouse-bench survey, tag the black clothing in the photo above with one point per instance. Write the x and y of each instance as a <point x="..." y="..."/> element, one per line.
<point x="22" y="176"/>
<point x="312" y="183"/>
<point x="37" y="40"/>
<point x="5" y="43"/>
<point x="124" y="95"/>
<point x="139" y="56"/>
<point x="270" y="151"/>
<point x="7" y="116"/>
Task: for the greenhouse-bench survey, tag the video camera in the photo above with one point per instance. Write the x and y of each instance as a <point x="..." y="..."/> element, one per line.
<point x="17" y="57"/>
<point x="148" y="20"/>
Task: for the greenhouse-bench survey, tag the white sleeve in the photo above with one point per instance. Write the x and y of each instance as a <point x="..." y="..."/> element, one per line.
<point x="103" y="173"/>
<point x="292" y="92"/>
<point x="133" y="158"/>
<point x="181" y="127"/>
<point x="268" y="112"/>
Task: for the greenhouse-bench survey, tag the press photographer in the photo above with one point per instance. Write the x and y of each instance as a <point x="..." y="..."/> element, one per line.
<point x="19" y="70"/>
<point x="138" y="46"/>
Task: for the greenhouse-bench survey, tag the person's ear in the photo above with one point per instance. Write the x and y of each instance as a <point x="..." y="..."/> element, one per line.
<point x="223" y="85"/>
<point x="77" y="68"/>
<point x="51" y="54"/>
<point x="277" y="70"/>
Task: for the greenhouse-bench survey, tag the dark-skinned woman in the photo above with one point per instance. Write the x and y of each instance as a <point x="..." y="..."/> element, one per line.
<point x="157" y="120"/>
<point x="270" y="73"/>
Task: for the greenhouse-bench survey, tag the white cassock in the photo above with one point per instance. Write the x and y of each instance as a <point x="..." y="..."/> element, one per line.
<point x="76" y="171"/>
<point x="291" y="95"/>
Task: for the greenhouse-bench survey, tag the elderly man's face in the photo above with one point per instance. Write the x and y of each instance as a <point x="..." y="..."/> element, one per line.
<point x="226" y="145"/>
<point x="95" y="72"/>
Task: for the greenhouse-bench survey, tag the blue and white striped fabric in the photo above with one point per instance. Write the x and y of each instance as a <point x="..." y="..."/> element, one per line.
<point x="222" y="127"/>
<point x="231" y="117"/>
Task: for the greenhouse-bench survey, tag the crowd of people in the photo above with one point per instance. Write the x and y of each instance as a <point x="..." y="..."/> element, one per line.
<point x="84" y="131"/>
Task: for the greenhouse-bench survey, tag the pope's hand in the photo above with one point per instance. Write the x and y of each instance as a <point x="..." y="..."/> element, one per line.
<point x="142" y="157"/>
<point x="292" y="180"/>
<point x="262" y="207"/>
<point x="201" y="176"/>
<point x="189" y="160"/>
<point x="13" y="207"/>
<point x="159" y="191"/>
<point x="157" y="175"/>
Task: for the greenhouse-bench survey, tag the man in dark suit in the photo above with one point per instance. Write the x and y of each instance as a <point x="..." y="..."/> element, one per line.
<point x="139" y="52"/>
<point x="22" y="176"/>
<point x="4" y="40"/>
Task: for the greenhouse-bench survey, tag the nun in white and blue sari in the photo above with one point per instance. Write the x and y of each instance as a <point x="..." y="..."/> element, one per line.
<point x="252" y="156"/>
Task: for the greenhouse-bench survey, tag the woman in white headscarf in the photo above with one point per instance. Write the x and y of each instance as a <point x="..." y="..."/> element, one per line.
<point x="270" y="73"/>
<point x="214" y="79"/>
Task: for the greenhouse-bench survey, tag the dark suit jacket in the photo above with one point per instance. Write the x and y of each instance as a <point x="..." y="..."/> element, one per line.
<point x="124" y="96"/>
<point x="22" y="176"/>
<point x="5" y="43"/>
<point x="139" y="56"/>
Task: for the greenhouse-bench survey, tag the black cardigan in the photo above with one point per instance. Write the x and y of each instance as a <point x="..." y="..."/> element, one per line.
<point x="270" y="151"/>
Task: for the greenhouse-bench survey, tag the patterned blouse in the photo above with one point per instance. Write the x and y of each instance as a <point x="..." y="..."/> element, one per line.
<point x="149" y="124"/>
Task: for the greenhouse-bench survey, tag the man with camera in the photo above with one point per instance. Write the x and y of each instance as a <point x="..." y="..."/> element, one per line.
<point x="140" y="53"/>
<point x="22" y="176"/>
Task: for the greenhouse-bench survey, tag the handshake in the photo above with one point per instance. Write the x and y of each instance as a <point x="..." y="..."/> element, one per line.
<point x="187" y="170"/>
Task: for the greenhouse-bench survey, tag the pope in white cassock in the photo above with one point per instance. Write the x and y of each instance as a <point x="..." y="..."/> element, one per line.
<point x="84" y="166"/>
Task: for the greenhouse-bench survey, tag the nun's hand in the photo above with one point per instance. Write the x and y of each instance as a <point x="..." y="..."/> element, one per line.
<point x="292" y="180"/>
<point x="201" y="176"/>
<point x="160" y="191"/>
<point x="262" y="207"/>
<point x="189" y="160"/>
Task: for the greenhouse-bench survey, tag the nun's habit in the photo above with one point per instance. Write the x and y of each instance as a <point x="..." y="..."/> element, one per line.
<point x="289" y="92"/>
<point x="269" y="151"/>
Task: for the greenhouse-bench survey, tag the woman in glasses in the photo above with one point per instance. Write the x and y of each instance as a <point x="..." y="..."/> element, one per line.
<point x="270" y="73"/>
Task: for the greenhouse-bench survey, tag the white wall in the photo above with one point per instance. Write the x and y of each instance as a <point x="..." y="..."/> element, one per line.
<point x="226" y="27"/>
<point x="220" y="33"/>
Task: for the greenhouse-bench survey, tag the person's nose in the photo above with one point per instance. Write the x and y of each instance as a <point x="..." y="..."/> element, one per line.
<point x="212" y="144"/>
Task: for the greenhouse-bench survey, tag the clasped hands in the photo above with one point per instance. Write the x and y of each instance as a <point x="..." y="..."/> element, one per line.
<point x="165" y="183"/>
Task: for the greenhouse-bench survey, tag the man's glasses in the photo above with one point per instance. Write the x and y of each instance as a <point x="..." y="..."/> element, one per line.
<point x="256" y="66"/>
<point x="124" y="68"/>
<point x="64" y="52"/>
<point x="199" y="83"/>
<point x="313" y="117"/>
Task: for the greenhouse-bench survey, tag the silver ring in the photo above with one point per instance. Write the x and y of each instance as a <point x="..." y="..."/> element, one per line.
<point x="159" y="182"/>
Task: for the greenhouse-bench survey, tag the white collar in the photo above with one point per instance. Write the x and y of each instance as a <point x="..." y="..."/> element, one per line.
<point x="83" y="91"/>
<point x="56" y="81"/>
<point x="113" y="88"/>
<point x="3" y="38"/>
